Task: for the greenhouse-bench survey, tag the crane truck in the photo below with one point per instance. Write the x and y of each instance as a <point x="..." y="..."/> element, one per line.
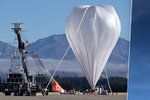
<point x="18" y="81"/>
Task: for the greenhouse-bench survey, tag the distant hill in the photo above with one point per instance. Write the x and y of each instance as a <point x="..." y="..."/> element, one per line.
<point x="6" y="49"/>
<point x="54" y="47"/>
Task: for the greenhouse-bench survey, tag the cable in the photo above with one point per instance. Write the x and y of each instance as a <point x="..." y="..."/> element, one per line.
<point x="58" y="66"/>
<point x="39" y="65"/>
<point x="108" y="80"/>
<point x="47" y="77"/>
<point x="66" y="50"/>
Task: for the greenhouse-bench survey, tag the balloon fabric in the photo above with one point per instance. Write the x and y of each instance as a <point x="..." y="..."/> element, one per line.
<point x="92" y="32"/>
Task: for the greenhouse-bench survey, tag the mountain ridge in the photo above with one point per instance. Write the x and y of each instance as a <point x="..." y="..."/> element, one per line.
<point x="52" y="48"/>
<point x="55" y="46"/>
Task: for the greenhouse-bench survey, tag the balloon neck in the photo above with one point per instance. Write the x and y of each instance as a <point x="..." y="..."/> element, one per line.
<point x="93" y="88"/>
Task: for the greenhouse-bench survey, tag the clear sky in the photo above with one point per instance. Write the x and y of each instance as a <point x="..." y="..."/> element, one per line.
<point x="42" y="18"/>
<point x="139" y="68"/>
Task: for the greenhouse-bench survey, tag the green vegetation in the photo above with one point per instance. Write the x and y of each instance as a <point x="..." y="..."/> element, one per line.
<point x="118" y="84"/>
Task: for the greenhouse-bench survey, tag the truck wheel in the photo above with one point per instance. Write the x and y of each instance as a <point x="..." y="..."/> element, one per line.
<point x="33" y="93"/>
<point x="28" y="93"/>
<point x="7" y="94"/>
<point x="21" y="94"/>
<point x="15" y="94"/>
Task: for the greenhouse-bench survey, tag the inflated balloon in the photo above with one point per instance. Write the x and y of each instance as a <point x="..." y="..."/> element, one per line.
<point x="92" y="32"/>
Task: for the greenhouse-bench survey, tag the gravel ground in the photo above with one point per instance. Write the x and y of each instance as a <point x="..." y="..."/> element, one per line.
<point x="65" y="97"/>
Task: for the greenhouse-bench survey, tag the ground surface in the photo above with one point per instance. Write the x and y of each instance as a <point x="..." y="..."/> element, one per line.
<point x="65" y="97"/>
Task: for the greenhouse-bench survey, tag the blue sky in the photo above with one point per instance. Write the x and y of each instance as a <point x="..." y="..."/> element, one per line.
<point x="139" y="68"/>
<point x="43" y="18"/>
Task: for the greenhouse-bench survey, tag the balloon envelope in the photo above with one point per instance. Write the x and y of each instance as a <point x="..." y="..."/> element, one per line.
<point x="92" y="32"/>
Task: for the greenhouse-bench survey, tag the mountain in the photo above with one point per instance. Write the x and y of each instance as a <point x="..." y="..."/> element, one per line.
<point x="6" y="49"/>
<point x="54" y="47"/>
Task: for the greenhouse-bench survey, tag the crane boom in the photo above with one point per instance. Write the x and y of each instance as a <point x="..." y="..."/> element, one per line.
<point x="21" y="46"/>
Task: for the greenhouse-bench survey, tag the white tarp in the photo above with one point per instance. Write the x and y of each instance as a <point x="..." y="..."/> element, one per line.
<point x="92" y="32"/>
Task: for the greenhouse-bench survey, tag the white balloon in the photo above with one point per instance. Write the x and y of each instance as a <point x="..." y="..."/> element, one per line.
<point x="92" y="32"/>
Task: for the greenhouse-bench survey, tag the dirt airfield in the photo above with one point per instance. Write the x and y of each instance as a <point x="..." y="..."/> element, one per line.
<point x="64" y="97"/>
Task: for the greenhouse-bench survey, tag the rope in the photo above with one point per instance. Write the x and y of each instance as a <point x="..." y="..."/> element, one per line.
<point x="47" y="77"/>
<point x="40" y="65"/>
<point x="66" y="50"/>
<point x="108" y="80"/>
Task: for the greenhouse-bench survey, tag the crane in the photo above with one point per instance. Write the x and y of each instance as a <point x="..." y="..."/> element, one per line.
<point x="21" y="47"/>
<point x="19" y="81"/>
